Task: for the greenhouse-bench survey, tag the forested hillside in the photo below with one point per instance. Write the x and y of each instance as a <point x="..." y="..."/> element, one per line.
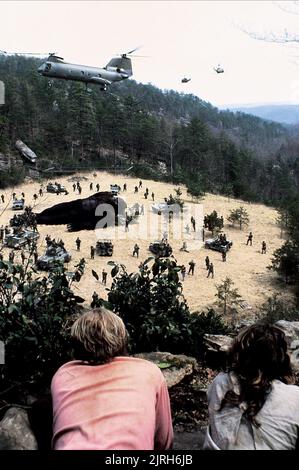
<point x="139" y="125"/>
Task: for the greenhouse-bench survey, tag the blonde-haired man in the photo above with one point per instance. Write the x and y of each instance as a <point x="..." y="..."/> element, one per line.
<point x="106" y="400"/>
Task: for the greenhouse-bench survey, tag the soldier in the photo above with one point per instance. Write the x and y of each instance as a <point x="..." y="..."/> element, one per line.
<point x="193" y="223"/>
<point x="23" y="257"/>
<point x="98" y="187"/>
<point x="78" y="243"/>
<point x="34" y="196"/>
<point x="142" y="209"/>
<point x="224" y="256"/>
<point x="183" y="271"/>
<point x="127" y="223"/>
<point x="147" y="191"/>
<point x="92" y="252"/>
<point x="136" y="190"/>
<point x="1" y="256"/>
<point x="1" y="233"/>
<point x="187" y="228"/>
<point x="153" y="196"/>
<point x="104" y="277"/>
<point x="136" y="250"/>
<point x="78" y="184"/>
<point x="125" y="187"/>
<point x="95" y="300"/>
<point x="23" y="195"/>
<point x="264" y="248"/>
<point x="74" y="186"/>
<point x="80" y="190"/>
<point x="91" y="187"/>
<point x="2" y="197"/>
<point x="13" y="195"/>
<point x="191" y="268"/>
<point x="145" y="195"/>
<point x="207" y="260"/>
<point x="40" y="191"/>
<point x="184" y="247"/>
<point x="249" y="240"/>
<point x="48" y="240"/>
<point x="211" y="270"/>
<point x="140" y="184"/>
<point x="11" y="256"/>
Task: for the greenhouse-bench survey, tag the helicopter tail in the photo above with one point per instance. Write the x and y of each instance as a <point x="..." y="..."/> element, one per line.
<point x="122" y="65"/>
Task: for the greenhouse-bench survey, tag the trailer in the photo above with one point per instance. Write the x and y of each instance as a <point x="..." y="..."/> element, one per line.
<point x="26" y="152"/>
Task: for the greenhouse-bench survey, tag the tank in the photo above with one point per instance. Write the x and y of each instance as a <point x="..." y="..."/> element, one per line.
<point x="104" y="248"/>
<point x="55" y="255"/>
<point x="20" y="239"/>
<point x="56" y="188"/>
<point x="25" y="151"/>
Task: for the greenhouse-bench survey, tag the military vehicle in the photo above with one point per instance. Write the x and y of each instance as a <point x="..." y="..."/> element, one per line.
<point x="104" y="248"/>
<point x="26" y="219"/>
<point x="56" y="188"/>
<point x="20" y="239"/>
<point x="218" y="245"/>
<point x="26" y="152"/>
<point x="18" y="204"/>
<point x="160" y="249"/>
<point x="165" y="208"/>
<point x="115" y="189"/>
<point x="54" y="256"/>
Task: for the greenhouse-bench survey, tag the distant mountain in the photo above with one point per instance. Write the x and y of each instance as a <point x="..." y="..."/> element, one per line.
<point x="282" y="113"/>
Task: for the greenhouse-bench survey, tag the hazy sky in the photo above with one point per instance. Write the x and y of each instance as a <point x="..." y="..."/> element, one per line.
<point x="181" y="38"/>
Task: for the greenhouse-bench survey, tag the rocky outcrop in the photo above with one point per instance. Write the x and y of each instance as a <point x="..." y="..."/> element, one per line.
<point x="174" y="367"/>
<point x="217" y="343"/>
<point x="15" y="431"/>
<point x="291" y="330"/>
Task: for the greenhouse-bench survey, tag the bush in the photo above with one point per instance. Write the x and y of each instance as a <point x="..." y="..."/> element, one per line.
<point x="275" y="309"/>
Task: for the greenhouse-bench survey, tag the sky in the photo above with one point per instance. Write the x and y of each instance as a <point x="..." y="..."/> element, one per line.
<point x="180" y="38"/>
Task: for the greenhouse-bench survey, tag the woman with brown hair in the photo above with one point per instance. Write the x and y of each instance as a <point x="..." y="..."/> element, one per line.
<point x="106" y="400"/>
<point x="254" y="406"/>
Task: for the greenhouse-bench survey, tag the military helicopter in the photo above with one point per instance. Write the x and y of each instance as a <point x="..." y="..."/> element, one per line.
<point x="186" y="80"/>
<point x="118" y="69"/>
<point x="219" y="69"/>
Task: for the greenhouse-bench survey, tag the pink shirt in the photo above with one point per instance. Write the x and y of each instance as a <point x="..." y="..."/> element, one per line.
<point x="122" y="405"/>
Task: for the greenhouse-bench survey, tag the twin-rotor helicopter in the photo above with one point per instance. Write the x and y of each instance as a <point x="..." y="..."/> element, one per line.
<point x="118" y="69"/>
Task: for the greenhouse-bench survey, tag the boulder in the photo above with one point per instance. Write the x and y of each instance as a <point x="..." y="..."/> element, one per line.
<point x="218" y="343"/>
<point x="15" y="431"/>
<point x="291" y="330"/>
<point x="174" y="367"/>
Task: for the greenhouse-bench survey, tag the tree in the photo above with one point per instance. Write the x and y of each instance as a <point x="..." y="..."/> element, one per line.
<point x="286" y="261"/>
<point x="240" y="216"/>
<point x="213" y="222"/>
<point x="227" y="295"/>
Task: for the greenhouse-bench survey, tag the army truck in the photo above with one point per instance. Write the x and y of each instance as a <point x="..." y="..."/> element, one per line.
<point x="104" y="248"/>
<point x="54" y="256"/>
<point x="21" y="239"/>
<point x="160" y="249"/>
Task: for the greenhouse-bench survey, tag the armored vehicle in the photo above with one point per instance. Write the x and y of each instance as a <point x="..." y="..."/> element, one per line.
<point x="26" y="152"/>
<point x="54" y="256"/>
<point x="114" y="188"/>
<point x="160" y="249"/>
<point x="218" y="245"/>
<point x="18" y="204"/>
<point x="20" y="239"/>
<point x="56" y="188"/>
<point x="104" y="248"/>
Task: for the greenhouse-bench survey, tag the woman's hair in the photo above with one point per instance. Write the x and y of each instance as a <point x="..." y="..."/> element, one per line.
<point x="98" y="336"/>
<point x="257" y="356"/>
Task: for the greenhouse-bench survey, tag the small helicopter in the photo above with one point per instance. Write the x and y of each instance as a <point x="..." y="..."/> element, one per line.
<point x="118" y="69"/>
<point x="185" y="80"/>
<point x="219" y="69"/>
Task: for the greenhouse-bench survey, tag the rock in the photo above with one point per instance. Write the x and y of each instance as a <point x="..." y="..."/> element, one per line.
<point x="15" y="431"/>
<point x="181" y="365"/>
<point x="291" y="330"/>
<point x="218" y="343"/>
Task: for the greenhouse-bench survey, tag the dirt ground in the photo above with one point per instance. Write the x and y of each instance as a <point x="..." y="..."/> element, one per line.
<point x="245" y="264"/>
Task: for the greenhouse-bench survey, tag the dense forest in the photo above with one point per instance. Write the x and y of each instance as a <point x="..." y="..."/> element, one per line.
<point x="141" y="126"/>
